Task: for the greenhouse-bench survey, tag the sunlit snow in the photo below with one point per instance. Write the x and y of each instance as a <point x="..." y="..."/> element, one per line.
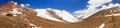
<point x="118" y="14"/>
<point x="44" y="14"/>
<point x="61" y="13"/>
<point x="102" y="25"/>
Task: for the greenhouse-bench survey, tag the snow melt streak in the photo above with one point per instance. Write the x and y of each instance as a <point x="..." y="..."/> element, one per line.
<point x="102" y="25"/>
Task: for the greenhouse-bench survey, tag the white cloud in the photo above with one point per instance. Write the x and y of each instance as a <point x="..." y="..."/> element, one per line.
<point x="110" y="5"/>
<point x="92" y="8"/>
<point x="27" y="4"/>
<point x="24" y="5"/>
<point x="97" y="3"/>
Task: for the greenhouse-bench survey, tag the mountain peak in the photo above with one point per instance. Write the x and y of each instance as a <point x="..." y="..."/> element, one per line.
<point x="10" y="3"/>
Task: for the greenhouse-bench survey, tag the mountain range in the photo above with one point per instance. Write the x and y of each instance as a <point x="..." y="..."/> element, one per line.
<point x="20" y="16"/>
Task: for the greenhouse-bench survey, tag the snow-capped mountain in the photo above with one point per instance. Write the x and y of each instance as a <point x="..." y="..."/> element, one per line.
<point x="56" y="15"/>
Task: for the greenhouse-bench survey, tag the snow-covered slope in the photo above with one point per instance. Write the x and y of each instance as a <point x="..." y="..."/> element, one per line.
<point x="56" y="15"/>
<point x="44" y="14"/>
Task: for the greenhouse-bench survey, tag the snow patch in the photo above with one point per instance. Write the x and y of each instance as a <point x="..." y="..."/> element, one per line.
<point x="34" y="26"/>
<point x="118" y="14"/>
<point x="15" y="11"/>
<point x="102" y="25"/>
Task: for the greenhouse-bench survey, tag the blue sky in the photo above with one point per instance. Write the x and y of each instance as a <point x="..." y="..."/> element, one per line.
<point x="68" y="5"/>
